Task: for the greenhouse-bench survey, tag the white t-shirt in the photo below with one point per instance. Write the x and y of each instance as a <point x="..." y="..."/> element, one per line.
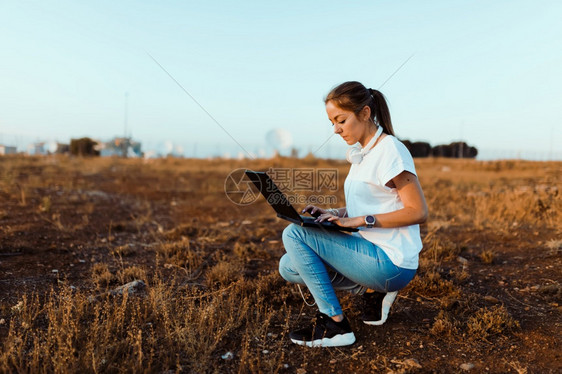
<point x="366" y="193"/>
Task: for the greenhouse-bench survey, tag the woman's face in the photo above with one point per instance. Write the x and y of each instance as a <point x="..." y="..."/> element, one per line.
<point x="346" y="124"/>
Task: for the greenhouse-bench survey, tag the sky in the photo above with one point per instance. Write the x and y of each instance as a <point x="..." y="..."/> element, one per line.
<point x="214" y="77"/>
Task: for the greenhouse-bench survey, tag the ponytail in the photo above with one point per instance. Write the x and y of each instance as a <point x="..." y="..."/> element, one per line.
<point x="379" y="111"/>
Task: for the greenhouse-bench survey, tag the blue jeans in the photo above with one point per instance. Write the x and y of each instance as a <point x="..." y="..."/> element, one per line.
<point x="328" y="260"/>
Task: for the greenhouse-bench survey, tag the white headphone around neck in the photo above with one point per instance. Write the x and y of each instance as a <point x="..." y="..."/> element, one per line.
<point x="355" y="154"/>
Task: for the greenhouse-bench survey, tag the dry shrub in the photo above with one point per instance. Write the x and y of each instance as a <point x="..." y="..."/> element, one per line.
<point x="166" y="329"/>
<point x="182" y="231"/>
<point x="438" y="248"/>
<point x="224" y="273"/>
<point x="460" y="275"/>
<point x="508" y="208"/>
<point x="123" y="250"/>
<point x="131" y="273"/>
<point x="431" y="284"/>
<point x="487" y="322"/>
<point x="250" y="250"/>
<point x="264" y="233"/>
<point x="181" y="254"/>
<point x="443" y="325"/>
<point x="487" y="256"/>
<point x="101" y="276"/>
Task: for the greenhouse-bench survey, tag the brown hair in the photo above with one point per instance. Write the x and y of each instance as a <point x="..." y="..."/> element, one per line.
<point x="353" y="96"/>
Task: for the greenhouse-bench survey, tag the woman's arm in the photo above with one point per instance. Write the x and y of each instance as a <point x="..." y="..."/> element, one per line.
<point x="415" y="207"/>
<point x="414" y="211"/>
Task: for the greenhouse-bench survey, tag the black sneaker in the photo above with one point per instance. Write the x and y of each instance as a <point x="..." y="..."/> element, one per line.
<point x="325" y="332"/>
<point x="376" y="306"/>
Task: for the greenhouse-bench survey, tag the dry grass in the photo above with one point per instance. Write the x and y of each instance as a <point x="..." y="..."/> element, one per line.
<point x="101" y="276"/>
<point x="487" y="322"/>
<point x="68" y="333"/>
<point x="212" y="285"/>
<point x="487" y="256"/>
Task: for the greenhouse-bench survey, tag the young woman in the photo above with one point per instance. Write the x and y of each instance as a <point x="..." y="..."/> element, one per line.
<point x="383" y="199"/>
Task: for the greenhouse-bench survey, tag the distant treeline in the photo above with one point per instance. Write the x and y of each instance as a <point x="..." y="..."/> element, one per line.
<point x="454" y="150"/>
<point x="83" y="147"/>
<point x="87" y="147"/>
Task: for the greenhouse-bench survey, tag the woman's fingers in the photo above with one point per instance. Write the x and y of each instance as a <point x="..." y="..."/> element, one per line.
<point x="307" y="208"/>
<point x="326" y="217"/>
<point x="313" y="210"/>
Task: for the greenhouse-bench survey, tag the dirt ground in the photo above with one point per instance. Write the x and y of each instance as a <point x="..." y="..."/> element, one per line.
<point x="487" y="297"/>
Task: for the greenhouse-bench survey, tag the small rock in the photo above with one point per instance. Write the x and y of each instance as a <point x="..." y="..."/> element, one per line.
<point x="467" y="366"/>
<point x="54" y="271"/>
<point x="228" y="356"/>
<point x="491" y="299"/>
<point x="462" y="260"/>
<point x="286" y="366"/>
<point x="130" y="288"/>
<point x="82" y="261"/>
<point x="265" y="351"/>
<point x="2" y="321"/>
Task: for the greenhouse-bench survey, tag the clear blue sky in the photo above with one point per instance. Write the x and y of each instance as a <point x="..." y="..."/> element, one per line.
<point x="487" y="72"/>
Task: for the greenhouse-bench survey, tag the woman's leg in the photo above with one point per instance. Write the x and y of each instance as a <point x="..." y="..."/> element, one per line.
<point x="339" y="282"/>
<point x="313" y="252"/>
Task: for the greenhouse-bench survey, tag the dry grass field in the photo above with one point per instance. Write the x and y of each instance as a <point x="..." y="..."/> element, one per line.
<point x="487" y="296"/>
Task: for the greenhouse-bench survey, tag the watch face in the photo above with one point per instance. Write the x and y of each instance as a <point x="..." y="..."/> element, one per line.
<point x="370" y="219"/>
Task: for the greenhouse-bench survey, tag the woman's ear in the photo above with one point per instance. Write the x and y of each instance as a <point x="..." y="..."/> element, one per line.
<point x="365" y="113"/>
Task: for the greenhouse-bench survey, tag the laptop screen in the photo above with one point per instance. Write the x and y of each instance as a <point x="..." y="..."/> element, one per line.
<point x="273" y="194"/>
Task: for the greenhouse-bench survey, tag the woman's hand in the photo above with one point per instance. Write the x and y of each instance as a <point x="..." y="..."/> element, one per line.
<point x="314" y="210"/>
<point x="343" y="221"/>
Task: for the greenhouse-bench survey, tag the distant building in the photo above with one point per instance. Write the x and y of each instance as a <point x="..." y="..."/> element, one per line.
<point x="36" y="149"/>
<point x="122" y="147"/>
<point x="7" y="150"/>
<point x="62" y="148"/>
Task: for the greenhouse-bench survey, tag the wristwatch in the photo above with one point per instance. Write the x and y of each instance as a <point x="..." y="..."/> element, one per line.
<point x="370" y="221"/>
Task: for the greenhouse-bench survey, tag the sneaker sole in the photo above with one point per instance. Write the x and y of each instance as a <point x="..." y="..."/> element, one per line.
<point x="336" y="341"/>
<point x="387" y="302"/>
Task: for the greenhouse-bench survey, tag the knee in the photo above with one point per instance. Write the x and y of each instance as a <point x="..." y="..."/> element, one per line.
<point x="291" y="232"/>
<point x="283" y="262"/>
<point x="285" y="268"/>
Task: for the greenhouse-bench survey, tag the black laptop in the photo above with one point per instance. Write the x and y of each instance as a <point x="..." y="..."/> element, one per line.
<point x="283" y="207"/>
